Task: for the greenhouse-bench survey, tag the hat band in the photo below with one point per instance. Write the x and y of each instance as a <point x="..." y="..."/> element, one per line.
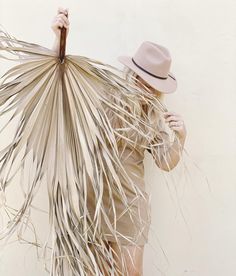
<point x="155" y="76"/>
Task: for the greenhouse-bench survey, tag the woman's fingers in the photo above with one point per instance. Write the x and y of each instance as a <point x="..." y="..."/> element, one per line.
<point x="173" y="118"/>
<point x="169" y="113"/>
<point x="57" y="24"/>
<point x="176" y="123"/>
<point x="60" y="21"/>
<point x="62" y="10"/>
<point x="62" y="18"/>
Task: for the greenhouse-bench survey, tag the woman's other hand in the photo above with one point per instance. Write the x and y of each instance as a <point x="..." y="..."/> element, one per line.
<point x="176" y="123"/>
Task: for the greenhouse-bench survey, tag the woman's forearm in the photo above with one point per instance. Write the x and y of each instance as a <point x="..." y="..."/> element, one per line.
<point x="174" y="152"/>
<point x="56" y="45"/>
<point x="166" y="158"/>
<point x="171" y="158"/>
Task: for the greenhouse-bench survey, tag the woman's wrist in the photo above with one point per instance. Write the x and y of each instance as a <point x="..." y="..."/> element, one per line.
<point x="180" y="140"/>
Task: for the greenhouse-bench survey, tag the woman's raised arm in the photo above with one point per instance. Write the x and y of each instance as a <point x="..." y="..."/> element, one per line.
<point x="59" y="21"/>
<point x="167" y="156"/>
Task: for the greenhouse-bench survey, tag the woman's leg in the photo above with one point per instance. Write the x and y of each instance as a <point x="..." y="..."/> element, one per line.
<point x="132" y="256"/>
<point x="103" y="269"/>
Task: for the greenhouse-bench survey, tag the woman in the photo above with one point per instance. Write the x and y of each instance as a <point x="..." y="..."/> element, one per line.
<point x="149" y="68"/>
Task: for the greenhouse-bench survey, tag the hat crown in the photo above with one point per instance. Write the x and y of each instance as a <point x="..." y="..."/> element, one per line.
<point x="153" y="58"/>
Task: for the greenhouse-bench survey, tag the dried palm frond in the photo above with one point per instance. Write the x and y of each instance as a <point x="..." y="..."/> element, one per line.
<point x="72" y="113"/>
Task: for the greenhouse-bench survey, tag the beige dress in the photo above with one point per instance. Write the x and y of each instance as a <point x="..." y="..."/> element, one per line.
<point x="137" y="230"/>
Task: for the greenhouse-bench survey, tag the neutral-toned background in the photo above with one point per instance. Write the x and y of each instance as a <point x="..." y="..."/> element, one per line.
<point x="193" y="227"/>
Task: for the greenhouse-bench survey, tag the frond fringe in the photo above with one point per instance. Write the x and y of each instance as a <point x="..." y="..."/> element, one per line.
<point x="73" y="119"/>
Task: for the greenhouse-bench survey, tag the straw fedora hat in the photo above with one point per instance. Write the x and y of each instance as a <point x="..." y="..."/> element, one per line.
<point x="152" y="63"/>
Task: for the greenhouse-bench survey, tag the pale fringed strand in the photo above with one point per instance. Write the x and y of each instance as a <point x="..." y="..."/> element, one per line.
<point x="72" y="118"/>
<point x="160" y="151"/>
<point x="63" y="126"/>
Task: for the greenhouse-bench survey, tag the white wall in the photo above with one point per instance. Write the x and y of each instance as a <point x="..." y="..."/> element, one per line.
<point x="201" y="36"/>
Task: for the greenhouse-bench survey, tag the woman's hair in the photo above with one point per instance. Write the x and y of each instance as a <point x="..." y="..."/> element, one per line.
<point x="130" y="76"/>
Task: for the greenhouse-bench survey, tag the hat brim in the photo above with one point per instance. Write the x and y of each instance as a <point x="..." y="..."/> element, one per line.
<point x="167" y="86"/>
